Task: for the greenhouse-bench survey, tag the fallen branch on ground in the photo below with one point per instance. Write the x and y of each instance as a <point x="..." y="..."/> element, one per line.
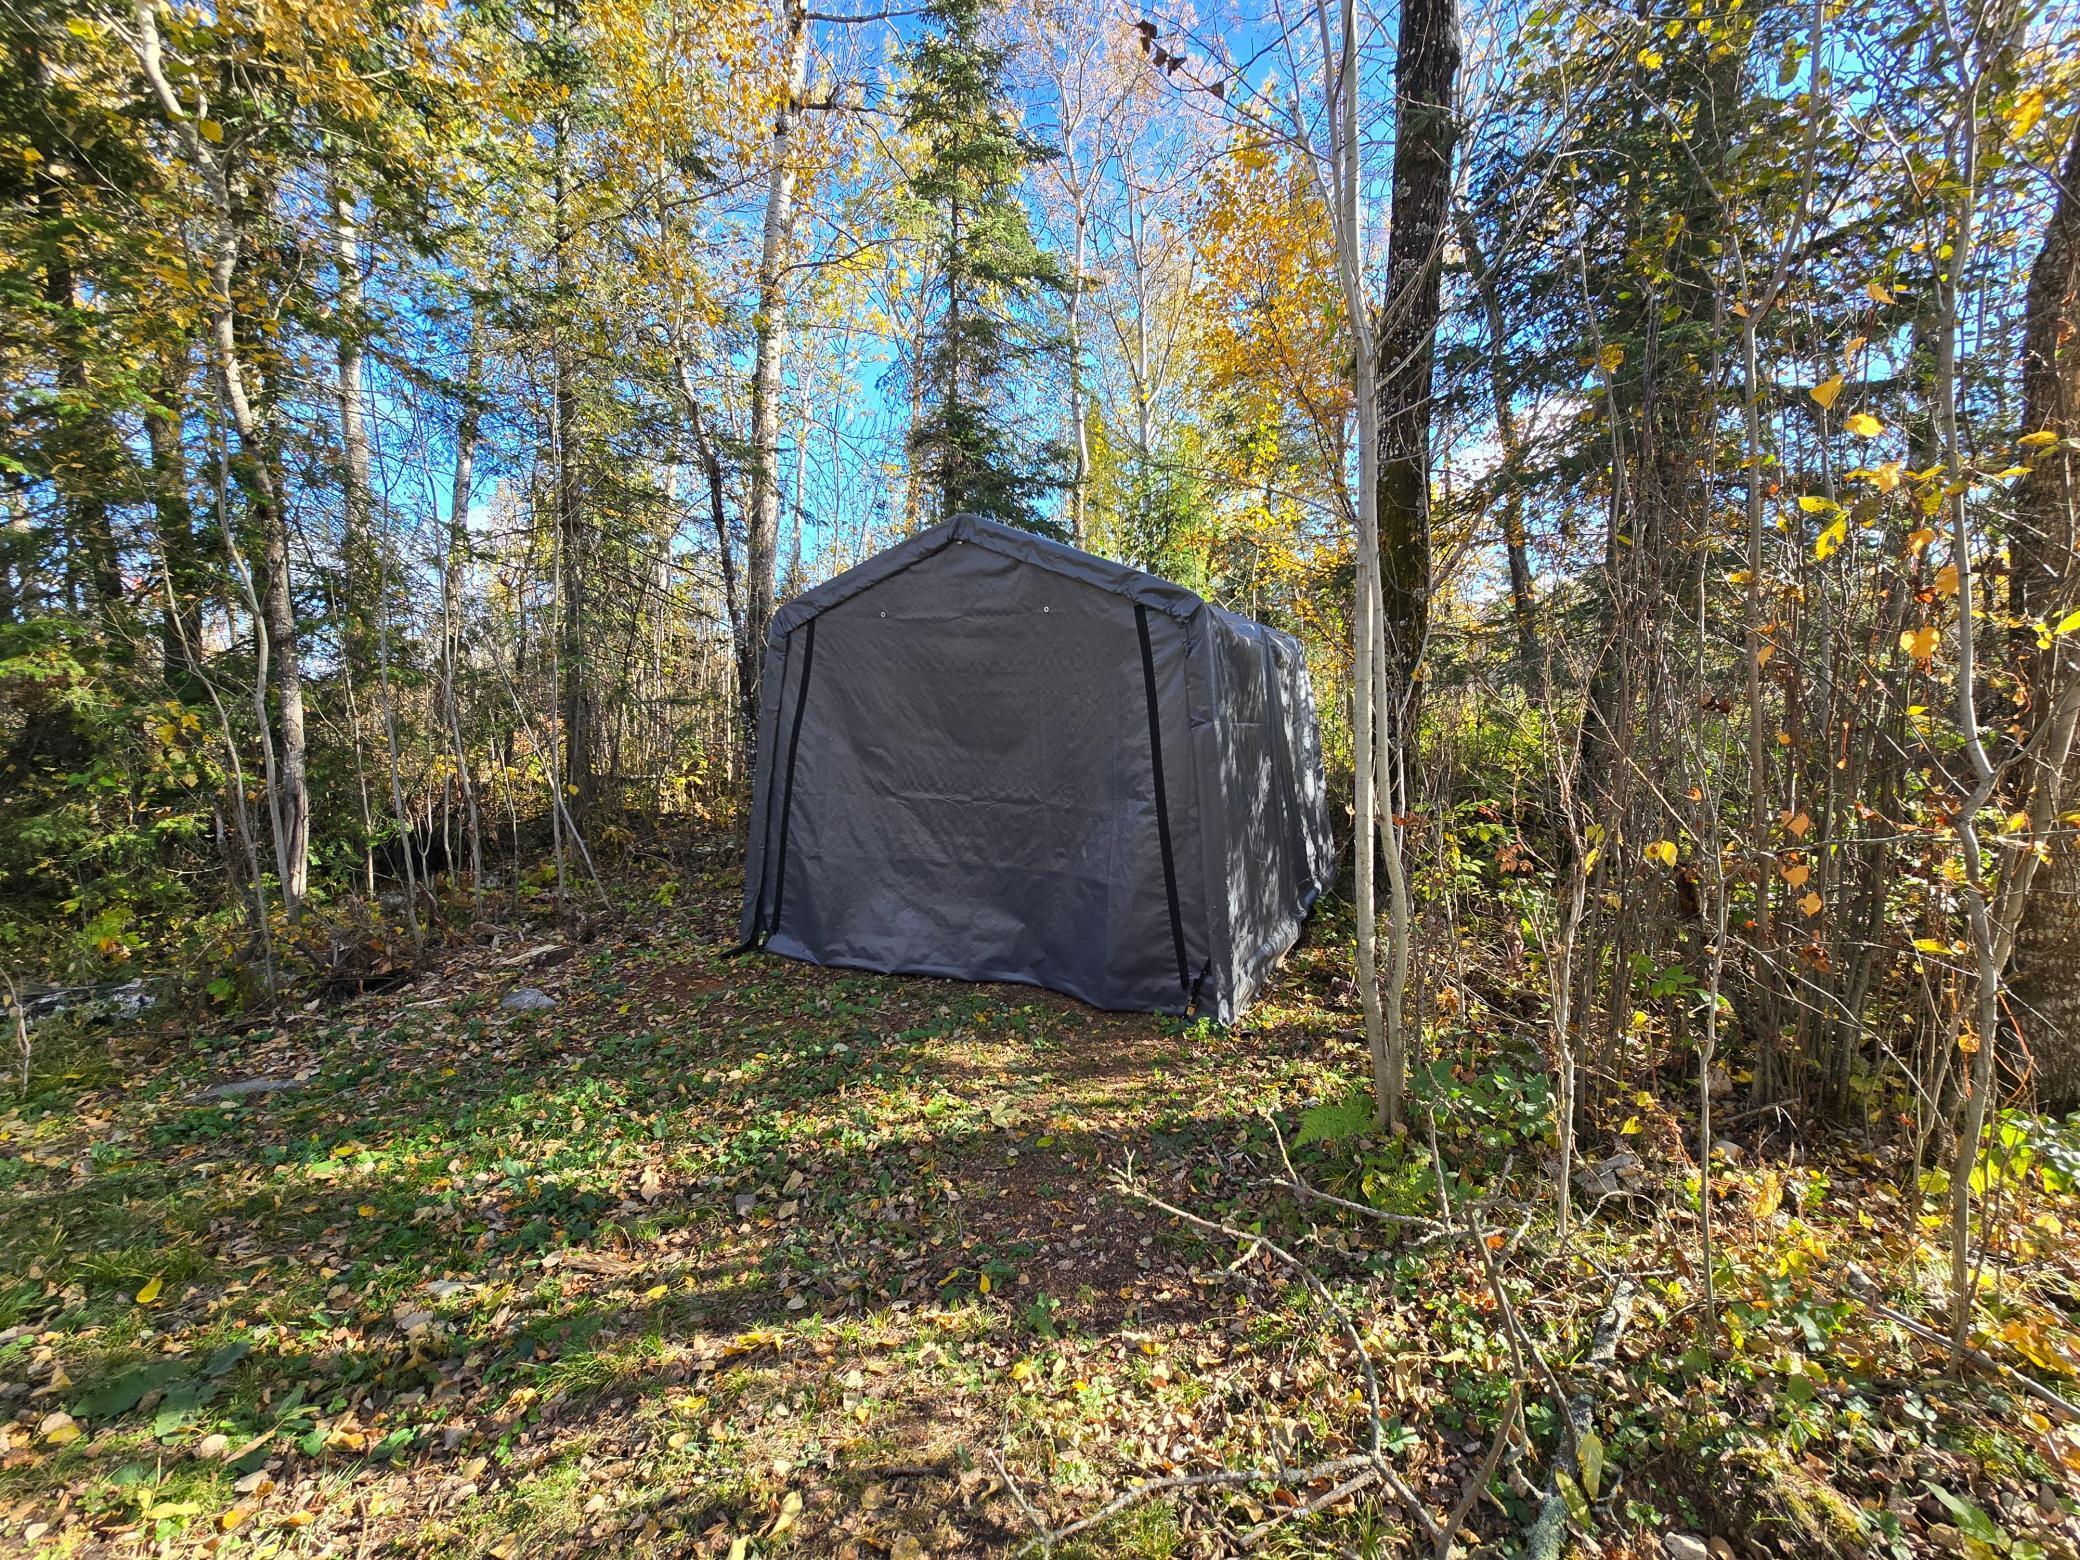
<point x="1045" y="1538"/>
<point x="2036" y="1389"/>
<point x="1548" y="1534"/>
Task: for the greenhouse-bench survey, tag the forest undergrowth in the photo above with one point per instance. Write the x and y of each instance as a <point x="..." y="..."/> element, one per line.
<point x="700" y="1256"/>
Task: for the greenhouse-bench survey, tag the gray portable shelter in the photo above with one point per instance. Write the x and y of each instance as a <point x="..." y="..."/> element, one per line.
<point x="985" y="755"/>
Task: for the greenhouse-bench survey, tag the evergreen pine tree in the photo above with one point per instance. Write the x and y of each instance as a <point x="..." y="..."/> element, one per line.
<point x="966" y="446"/>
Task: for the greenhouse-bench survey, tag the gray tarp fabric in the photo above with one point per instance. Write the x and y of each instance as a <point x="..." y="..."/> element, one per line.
<point x="985" y="755"/>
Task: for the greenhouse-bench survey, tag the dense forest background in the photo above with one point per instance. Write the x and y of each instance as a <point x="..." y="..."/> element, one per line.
<point x="1660" y="424"/>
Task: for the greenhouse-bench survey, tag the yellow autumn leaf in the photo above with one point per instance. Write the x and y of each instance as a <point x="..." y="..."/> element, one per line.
<point x="1811" y="903"/>
<point x="1930" y="945"/>
<point x="1827" y="390"/>
<point x="1632" y="1125"/>
<point x="1663" y="851"/>
<point x="1769" y="1196"/>
<point x="1813" y="505"/>
<point x="2067" y="624"/>
<point x="1920" y="643"/>
<point x="2027" y="110"/>
<point x="150" y="1292"/>
<point x="60" y="1429"/>
<point x="1797" y="873"/>
<point x="1649" y="58"/>
<point x="1946" y="579"/>
<point x="1875" y="291"/>
<point x="1831" y="539"/>
<point x="1919" y="538"/>
<point x="1610" y="357"/>
<point x="2037" y="440"/>
<point x="983" y="1283"/>
<point x="1886" y="477"/>
<point x="1864" y="425"/>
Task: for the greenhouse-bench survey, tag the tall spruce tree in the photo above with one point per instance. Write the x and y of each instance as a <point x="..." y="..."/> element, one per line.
<point x="965" y="445"/>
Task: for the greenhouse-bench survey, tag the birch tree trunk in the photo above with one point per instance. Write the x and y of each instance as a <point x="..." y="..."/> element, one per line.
<point x="1079" y="418"/>
<point x="773" y="338"/>
<point x="291" y="786"/>
<point x="357" y="548"/>
<point x="1340" y="194"/>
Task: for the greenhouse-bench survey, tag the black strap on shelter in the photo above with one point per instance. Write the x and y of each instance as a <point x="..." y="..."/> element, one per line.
<point x="794" y="748"/>
<point x="761" y="928"/>
<point x="1155" y="759"/>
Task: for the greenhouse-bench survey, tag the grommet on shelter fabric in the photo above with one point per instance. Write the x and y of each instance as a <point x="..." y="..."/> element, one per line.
<point x="1024" y="762"/>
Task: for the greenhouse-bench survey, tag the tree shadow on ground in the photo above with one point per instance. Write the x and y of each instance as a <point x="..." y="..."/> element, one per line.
<point x="494" y="1267"/>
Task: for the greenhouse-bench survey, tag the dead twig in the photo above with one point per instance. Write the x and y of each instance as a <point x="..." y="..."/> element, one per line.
<point x="1305" y="1191"/>
<point x="1481" y="1478"/>
<point x="1221" y="1478"/>
<point x="1125" y="1184"/>
<point x="1364" y="1479"/>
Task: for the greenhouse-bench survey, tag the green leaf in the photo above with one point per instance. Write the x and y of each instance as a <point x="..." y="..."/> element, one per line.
<point x="1590" y="1454"/>
<point x="1971" y="1521"/>
<point x="120" y="1394"/>
<point x="179" y="1405"/>
<point x="226" y="1357"/>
